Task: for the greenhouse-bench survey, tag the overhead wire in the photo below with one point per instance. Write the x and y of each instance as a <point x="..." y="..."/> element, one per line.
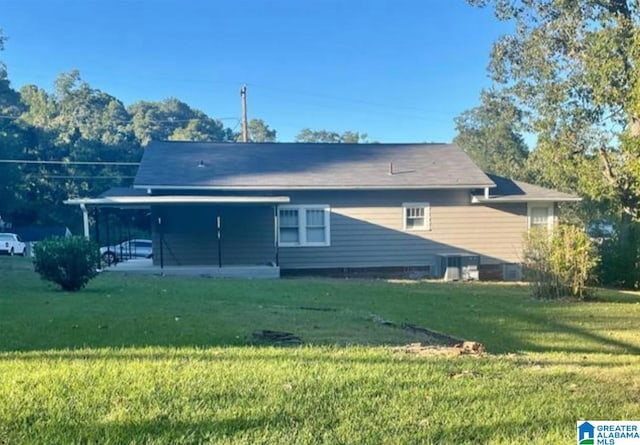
<point x="35" y="161"/>
<point x="154" y="121"/>
<point x="85" y="177"/>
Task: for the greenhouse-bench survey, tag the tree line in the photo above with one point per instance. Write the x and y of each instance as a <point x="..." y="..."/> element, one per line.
<point x="78" y="123"/>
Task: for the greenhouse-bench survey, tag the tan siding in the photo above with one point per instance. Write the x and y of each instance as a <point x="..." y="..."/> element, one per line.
<point x="367" y="230"/>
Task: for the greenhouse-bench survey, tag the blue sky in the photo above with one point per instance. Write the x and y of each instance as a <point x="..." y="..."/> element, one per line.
<point x="398" y="70"/>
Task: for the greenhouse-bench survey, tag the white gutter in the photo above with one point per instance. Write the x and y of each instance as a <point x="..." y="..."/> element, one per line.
<point x="310" y="187"/>
<point x="146" y="200"/>
<point x="508" y="200"/>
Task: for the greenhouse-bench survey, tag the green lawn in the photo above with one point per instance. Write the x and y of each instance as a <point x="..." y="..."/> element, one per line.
<point x="136" y="359"/>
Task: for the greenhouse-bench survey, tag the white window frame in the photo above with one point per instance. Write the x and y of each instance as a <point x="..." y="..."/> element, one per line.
<point x="541" y="205"/>
<point x="302" y="225"/>
<point x="427" y="216"/>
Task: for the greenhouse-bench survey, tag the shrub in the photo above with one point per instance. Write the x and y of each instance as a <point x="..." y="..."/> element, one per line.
<point x="70" y="262"/>
<point x="620" y="265"/>
<point x="559" y="263"/>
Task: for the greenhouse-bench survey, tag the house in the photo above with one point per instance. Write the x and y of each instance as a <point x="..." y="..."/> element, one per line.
<point x="31" y="235"/>
<point x="332" y="208"/>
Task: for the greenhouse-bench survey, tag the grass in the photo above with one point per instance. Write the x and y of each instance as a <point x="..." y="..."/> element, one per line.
<point x="170" y="360"/>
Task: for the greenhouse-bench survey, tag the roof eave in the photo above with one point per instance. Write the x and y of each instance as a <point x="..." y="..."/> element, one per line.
<point x="133" y="201"/>
<point x="309" y="187"/>
<point x="510" y="200"/>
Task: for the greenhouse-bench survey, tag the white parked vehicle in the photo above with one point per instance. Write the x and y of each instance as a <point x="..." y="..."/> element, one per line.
<point x="135" y="248"/>
<point x="11" y="244"/>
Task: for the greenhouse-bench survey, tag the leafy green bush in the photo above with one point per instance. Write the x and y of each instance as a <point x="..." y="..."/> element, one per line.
<point x="620" y="265"/>
<point x="70" y="262"/>
<point x="560" y="263"/>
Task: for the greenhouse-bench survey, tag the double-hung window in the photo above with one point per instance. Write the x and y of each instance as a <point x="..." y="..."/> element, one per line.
<point x="416" y="216"/>
<point x="304" y="225"/>
<point x="540" y="216"/>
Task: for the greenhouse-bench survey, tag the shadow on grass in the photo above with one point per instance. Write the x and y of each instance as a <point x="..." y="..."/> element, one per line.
<point x="140" y="312"/>
<point x="615" y="296"/>
<point x="502" y="432"/>
<point x="168" y="430"/>
<point x="612" y="345"/>
<point x="185" y="356"/>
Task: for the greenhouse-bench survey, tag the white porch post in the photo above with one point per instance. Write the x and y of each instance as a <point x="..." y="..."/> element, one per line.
<point x="85" y="220"/>
<point x="276" y="234"/>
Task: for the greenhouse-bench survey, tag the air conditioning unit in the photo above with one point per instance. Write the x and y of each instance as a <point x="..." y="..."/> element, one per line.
<point x="459" y="266"/>
<point x="512" y="272"/>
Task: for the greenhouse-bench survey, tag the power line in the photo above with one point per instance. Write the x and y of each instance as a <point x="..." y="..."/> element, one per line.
<point x="343" y="99"/>
<point x="384" y="107"/>
<point x="27" y="161"/>
<point x="85" y="177"/>
<point x="153" y="121"/>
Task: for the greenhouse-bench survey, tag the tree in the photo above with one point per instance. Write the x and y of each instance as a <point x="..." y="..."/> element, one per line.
<point x="259" y="131"/>
<point x="348" y="137"/>
<point x="573" y="67"/>
<point x="172" y="119"/>
<point x="74" y="123"/>
<point x="13" y="137"/>
<point x="490" y="134"/>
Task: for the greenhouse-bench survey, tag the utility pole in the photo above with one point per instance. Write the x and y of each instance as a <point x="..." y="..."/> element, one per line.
<point x="245" y="124"/>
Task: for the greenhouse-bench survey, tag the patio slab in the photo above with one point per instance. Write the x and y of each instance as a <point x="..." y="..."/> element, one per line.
<point x="146" y="266"/>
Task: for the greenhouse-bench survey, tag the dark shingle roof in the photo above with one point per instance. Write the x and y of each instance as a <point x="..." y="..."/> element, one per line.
<point x="122" y="191"/>
<point x="301" y="165"/>
<point x="509" y="190"/>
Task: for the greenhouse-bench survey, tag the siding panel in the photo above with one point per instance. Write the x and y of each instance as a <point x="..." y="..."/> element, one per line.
<point x="367" y="230"/>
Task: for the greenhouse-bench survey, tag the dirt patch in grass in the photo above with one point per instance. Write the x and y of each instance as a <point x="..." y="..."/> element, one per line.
<point x="318" y="309"/>
<point x="275" y="338"/>
<point x="432" y="336"/>
<point x="422" y="350"/>
<point x="433" y="342"/>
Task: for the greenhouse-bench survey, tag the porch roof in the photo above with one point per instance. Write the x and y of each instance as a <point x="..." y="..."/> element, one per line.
<point x="511" y="191"/>
<point x="122" y="201"/>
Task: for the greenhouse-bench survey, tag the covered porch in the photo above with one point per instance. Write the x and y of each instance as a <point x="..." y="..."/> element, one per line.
<point x="217" y="236"/>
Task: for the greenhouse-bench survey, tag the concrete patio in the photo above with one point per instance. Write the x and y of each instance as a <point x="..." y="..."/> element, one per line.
<point x="146" y="267"/>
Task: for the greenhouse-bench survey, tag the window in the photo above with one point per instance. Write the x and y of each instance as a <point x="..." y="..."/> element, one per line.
<point x="541" y="216"/>
<point x="289" y="226"/>
<point x="417" y="216"/>
<point x="306" y="225"/>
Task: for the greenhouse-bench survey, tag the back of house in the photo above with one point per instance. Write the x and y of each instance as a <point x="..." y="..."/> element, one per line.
<point x="422" y="209"/>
